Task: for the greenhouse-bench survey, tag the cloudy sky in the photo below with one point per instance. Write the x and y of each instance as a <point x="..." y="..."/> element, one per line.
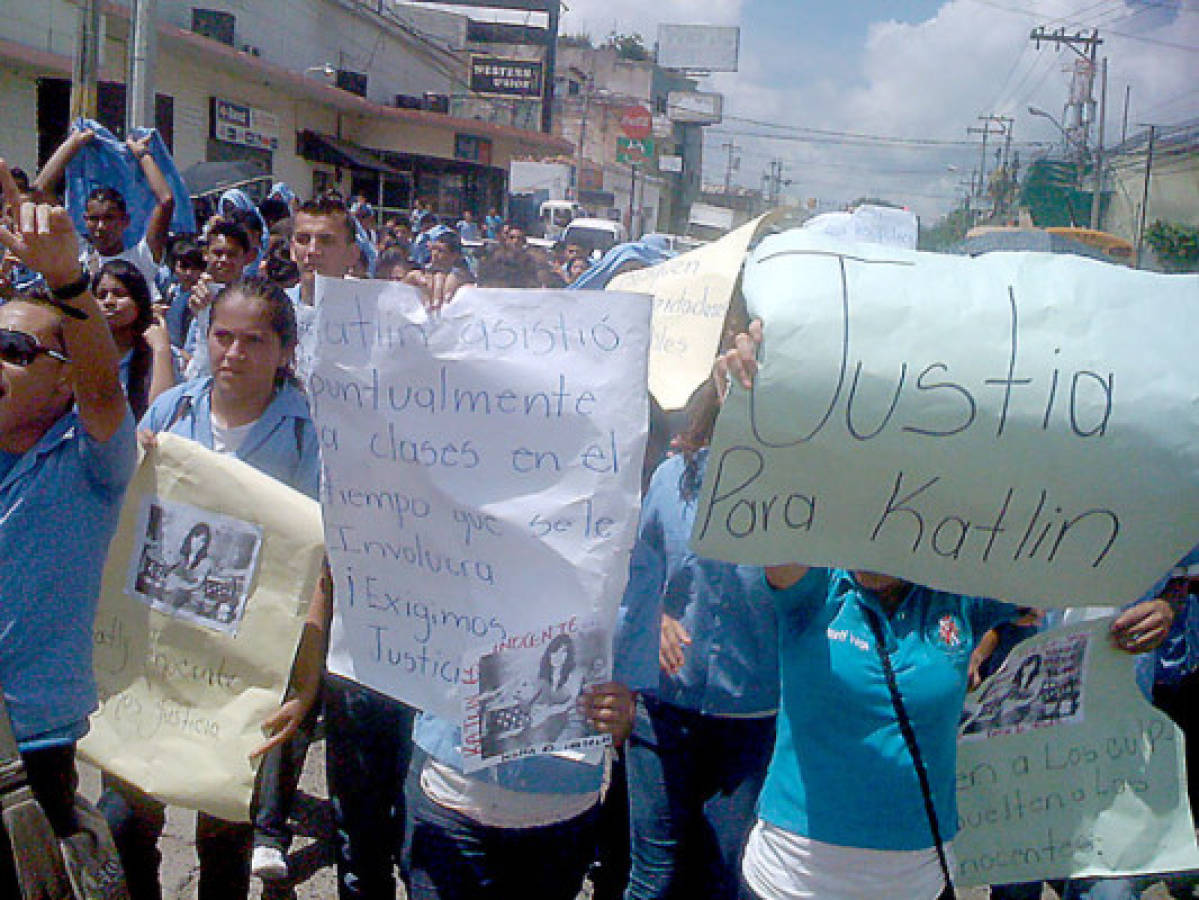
<point x="914" y="74"/>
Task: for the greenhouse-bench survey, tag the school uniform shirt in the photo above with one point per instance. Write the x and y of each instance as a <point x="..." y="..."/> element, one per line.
<point x="731" y="665"/>
<point x="282" y="442"/>
<point x="139" y="255"/>
<point x="59" y="504"/>
<point x="841" y="772"/>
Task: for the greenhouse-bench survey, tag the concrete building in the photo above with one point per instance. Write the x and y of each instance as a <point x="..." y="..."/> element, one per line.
<point x="311" y="92"/>
<point x="595" y="90"/>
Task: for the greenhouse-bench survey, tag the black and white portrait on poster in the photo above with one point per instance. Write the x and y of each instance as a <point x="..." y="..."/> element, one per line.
<point x="1036" y="687"/>
<point x="528" y="699"/>
<point x="193" y="563"/>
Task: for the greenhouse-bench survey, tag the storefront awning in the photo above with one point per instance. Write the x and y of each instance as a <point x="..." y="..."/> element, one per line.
<point x="325" y="148"/>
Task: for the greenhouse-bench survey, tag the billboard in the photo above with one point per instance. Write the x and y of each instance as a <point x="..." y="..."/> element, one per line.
<point x="695" y="107"/>
<point x="709" y="48"/>
<point x="499" y="77"/>
<point x="236" y="123"/>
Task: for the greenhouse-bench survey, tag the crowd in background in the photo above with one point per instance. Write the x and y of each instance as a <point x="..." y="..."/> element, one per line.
<point x="729" y="780"/>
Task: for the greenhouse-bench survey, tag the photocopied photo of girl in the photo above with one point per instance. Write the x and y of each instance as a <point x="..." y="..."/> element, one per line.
<point x="194" y="564"/>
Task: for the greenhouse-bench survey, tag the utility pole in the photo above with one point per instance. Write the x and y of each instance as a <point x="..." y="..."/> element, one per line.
<point x="1004" y="124"/>
<point x="85" y="71"/>
<point x="1145" y="192"/>
<point x="139" y="101"/>
<point x="553" y="10"/>
<point x="732" y="148"/>
<point x="1080" y="110"/>
<point x="1097" y="197"/>
<point x="775" y="182"/>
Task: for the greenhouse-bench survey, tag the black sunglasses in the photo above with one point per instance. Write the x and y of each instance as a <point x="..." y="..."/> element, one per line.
<point x="20" y="349"/>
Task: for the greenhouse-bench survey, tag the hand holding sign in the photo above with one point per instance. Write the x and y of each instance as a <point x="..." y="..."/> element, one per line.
<point x="903" y="396"/>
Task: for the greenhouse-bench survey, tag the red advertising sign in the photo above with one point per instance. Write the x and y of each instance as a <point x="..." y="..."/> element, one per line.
<point x="637" y="122"/>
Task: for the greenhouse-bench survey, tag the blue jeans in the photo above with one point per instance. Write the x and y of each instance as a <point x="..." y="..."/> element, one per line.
<point x="693" y="787"/>
<point x="453" y="857"/>
<point x="368" y="745"/>
<point x="137" y="820"/>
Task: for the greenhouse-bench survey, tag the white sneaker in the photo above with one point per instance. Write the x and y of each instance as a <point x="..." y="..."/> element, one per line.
<point x="268" y="863"/>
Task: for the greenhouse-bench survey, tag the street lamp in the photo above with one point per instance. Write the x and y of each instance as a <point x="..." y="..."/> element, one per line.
<point x="1037" y="111"/>
<point x="325" y="69"/>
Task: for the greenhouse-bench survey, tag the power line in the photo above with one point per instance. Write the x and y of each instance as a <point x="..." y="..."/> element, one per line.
<point x="1033" y="14"/>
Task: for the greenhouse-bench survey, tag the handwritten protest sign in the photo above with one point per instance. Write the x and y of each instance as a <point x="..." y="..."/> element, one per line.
<point x="482" y="473"/>
<point x="691" y="299"/>
<point x="1064" y="769"/>
<point x="204" y="597"/>
<point x="1021" y="426"/>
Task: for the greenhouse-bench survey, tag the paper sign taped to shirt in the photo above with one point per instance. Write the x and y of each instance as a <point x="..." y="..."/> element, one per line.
<point x="691" y="299"/>
<point x="482" y="474"/>
<point x="1021" y="426"/>
<point x="528" y="700"/>
<point x="1065" y="770"/>
<point x="205" y="594"/>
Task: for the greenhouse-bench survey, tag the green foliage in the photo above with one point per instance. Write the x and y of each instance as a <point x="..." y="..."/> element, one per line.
<point x="629" y="46"/>
<point x="949" y="231"/>
<point x="580" y="40"/>
<point x="1177" y="246"/>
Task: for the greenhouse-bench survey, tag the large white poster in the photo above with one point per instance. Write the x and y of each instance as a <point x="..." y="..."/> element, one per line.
<point x="482" y="474"/>
<point x="1021" y="425"/>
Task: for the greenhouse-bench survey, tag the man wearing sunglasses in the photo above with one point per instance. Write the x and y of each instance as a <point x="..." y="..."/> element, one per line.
<point x="66" y="455"/>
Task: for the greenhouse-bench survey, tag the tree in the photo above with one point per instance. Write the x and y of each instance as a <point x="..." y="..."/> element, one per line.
<point x="1176" y="245"/>
<point x="629" y="46"/>
<point x="581" y="40"/>
<point x="948" y="232"/>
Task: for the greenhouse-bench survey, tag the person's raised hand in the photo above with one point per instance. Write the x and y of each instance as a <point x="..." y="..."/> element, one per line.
<point x="740" y="363"/>
<point x="42" y="236"/>
<point x="1143" y="627"/>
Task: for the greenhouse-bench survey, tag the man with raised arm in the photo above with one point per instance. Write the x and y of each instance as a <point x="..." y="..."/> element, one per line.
<point x="106" y="215"/>
<point x="66" y="456"/>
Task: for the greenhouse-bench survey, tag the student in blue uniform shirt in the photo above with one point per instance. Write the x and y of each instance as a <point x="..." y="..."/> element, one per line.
<point x="697" y="640"/>
<point x="248" y="408"/>
<point x="66" y="456"/>
<point x="845" y="813"/>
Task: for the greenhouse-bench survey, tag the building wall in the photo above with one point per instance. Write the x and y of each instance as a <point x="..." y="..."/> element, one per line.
<point x="298" y="34"/>
<point x="18" y="113"/>
<point x="1173" y="193"/>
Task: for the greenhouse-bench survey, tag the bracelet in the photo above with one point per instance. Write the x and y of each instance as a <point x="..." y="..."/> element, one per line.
<point x="70" y="292"/>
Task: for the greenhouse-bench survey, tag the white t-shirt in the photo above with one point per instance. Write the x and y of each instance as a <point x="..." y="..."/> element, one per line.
<point x="496" y="807"/>
<point x="139" y="255"/>
<point x="781" y="865"/>
<point x="229" y="440"/>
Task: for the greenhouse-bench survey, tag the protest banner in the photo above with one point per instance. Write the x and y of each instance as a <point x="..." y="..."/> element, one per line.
<point x="691" y="299"/>
<point x="1065" y="770"/>
<point x="1021" y="425"/>
<point x="482" y="474"/>
<point x="204" y="597"/>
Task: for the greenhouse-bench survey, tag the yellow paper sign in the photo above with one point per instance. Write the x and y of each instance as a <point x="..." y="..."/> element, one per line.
<point x="205" y="594"/>
<point x="691" y="298"/>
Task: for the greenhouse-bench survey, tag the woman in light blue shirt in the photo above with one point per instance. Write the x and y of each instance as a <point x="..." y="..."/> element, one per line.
<point x="249" y="407"/>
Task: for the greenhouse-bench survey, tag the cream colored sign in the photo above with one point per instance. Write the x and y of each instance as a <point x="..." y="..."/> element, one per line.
<point x="691" y="298"/>
<point x="204" y="597"/>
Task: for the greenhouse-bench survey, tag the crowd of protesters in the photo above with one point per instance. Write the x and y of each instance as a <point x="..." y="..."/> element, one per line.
<point x="731" y="778"/>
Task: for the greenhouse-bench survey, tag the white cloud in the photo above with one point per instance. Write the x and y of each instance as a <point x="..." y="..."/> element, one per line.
<point x="928" y="79"/>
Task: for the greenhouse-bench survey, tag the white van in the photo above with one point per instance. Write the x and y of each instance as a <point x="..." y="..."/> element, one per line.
<point x="596" y="236"/>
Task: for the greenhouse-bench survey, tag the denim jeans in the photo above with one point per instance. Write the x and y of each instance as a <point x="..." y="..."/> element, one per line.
<point x="137" y="820"/>
<point x="368" y="746"/>
<point x="453" y="857"/>
<point x="694" y="781"/>
<point x="278" y="778"/>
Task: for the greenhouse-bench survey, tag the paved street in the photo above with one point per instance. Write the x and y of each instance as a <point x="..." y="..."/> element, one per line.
<point x="312" y="853"/>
